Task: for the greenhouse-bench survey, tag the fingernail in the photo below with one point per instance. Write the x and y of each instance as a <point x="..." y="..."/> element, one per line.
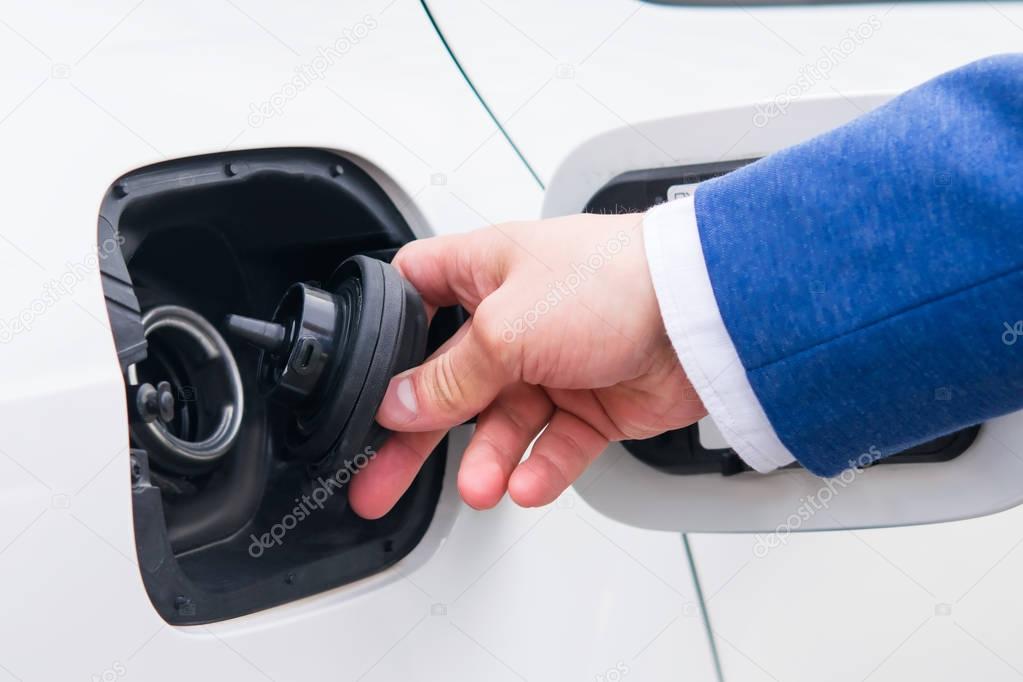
<point x="399" y="405"/>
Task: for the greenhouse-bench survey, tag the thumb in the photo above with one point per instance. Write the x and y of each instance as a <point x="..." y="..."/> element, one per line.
<point x="452" y="386"/>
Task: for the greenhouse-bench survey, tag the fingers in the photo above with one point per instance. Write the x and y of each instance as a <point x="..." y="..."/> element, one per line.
<point x="461" y="381"/>
<point x="502" y="435"/>
<point x="455" y="384"/>
<point x="560" y="455"/>
<point x="378" y="487"/>
<point x="386" y="478"/>
<point x="503" y="432"/>
<point x="460" y="269"/>
<point x="562" y="452"/>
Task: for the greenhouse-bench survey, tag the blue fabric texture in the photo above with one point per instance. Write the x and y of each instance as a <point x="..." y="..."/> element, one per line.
<point x="871" y="278"/>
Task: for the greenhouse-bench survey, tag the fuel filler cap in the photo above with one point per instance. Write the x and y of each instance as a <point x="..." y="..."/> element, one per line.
<point x="329" y="353"/>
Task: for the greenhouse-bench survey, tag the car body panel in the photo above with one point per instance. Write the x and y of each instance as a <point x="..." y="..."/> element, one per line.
<point x="94" y="94"/>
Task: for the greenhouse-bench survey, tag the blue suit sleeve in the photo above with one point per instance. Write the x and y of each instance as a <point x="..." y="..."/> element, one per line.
<point x="871" y="278"/>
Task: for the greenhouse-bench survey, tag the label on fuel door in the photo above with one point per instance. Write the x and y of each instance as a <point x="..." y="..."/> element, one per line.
<point x="681" y="191"/>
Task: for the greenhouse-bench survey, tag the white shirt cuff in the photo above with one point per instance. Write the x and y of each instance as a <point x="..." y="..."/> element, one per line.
<point x="700" y="338"/>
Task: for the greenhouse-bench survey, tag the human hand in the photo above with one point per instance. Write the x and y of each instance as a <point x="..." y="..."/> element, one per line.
<point x="565" y="333"/>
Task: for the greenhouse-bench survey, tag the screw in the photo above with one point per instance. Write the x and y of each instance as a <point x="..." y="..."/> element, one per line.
<point x="184" y="606"/>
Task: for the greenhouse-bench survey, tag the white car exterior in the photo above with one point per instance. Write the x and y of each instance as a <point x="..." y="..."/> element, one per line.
<point x="558" y="593"/>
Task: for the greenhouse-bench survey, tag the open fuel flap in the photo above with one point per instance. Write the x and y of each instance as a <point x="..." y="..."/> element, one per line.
<point x="257" y="323"/>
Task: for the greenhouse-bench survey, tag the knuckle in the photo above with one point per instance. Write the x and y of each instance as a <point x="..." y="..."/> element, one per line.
<point x="445" y="386"/>
<point x="629" y="431"/>
<point x="496" y="340"/>
<point x="571" y="457"/>
<point x="522" y="423"/>
<point x="550" y="471"/>
<point x="487" y="328"/>
<point x="498" y="449"/>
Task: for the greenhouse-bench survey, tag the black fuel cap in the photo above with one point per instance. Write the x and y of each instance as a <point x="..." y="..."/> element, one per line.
<point x="298" y="345"/>
<point x="328" y="355"/>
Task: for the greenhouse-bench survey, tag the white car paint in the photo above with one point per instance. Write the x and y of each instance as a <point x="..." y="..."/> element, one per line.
<point x="556" y="593"/>
<point x="91" y="93"/>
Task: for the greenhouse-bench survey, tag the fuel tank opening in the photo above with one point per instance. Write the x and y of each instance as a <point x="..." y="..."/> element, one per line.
<point x="198" y="392"/>
<point x="257" y="322"/>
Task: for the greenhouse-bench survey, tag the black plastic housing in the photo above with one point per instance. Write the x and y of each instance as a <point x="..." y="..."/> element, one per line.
<point x="228" y="233"/>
